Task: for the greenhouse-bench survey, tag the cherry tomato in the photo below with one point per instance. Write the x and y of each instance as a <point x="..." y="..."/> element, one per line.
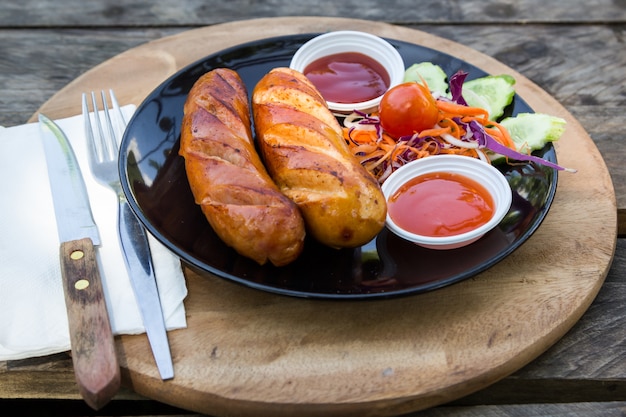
<point x="407" y="108"/>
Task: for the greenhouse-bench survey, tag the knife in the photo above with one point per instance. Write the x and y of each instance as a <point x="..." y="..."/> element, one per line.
<point x="94" y="359"/>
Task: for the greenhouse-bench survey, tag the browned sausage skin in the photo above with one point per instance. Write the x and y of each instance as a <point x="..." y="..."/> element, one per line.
<point x="226" y="175"/>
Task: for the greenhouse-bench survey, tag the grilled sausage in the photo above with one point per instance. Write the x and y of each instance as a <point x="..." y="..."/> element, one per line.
<point x="228" y="180"/>
<point x="304" y="151"/>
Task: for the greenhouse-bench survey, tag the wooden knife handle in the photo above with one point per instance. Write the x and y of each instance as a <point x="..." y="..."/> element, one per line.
<point x="93" y="349"/>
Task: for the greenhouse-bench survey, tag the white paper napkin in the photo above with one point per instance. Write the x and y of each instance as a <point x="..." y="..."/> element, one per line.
<point x="33" y="319"/>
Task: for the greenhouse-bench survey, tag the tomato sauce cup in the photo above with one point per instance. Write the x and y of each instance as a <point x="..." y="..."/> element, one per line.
<point x="437" y="224"/>
<point x="345" y="65"/>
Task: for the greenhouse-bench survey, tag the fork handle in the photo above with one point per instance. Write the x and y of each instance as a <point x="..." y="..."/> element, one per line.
<point x="136" y="251"/>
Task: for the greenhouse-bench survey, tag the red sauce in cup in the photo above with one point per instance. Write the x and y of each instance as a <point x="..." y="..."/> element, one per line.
<point x="441" y="204"/>
<point x="349" y="77"/>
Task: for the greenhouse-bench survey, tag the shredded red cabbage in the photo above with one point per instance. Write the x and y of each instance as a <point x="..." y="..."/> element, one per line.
<point x="456" y="87"/>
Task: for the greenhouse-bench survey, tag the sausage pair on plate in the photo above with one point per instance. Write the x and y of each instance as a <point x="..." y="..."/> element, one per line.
<point x="306" y="180"/>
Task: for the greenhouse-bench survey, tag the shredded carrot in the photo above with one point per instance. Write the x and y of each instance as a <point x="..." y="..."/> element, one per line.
<point x="461" y="110"/>
<point x="435" y="132"/>
<point x="381" y="154"/>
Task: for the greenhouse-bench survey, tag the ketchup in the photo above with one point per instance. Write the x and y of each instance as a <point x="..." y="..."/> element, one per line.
<point x="349" y="77"/>
<point x="441" y="204"/>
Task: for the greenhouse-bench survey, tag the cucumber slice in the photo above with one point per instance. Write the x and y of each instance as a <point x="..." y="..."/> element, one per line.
<point x="532" y="131"/>
<point x="496" y="90"/>
<point x="429" y="72"/>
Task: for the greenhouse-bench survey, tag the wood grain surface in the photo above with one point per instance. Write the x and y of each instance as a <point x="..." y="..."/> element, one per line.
<point x="250" y="353"/>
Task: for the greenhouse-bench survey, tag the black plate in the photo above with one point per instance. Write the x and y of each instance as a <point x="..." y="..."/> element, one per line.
<point x="154" y="180"/>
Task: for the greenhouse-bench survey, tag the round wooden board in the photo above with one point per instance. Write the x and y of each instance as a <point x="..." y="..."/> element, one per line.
<point x="247" y="352"/>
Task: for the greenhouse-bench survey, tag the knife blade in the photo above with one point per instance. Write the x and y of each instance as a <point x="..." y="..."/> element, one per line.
<point x="94" y="358"/>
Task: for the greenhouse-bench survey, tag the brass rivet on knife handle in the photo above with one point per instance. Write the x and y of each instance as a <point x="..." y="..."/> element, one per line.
<point x="95" y="364"/>
<point x="77" y="254"/>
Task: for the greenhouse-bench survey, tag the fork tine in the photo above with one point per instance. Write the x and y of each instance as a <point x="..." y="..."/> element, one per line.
<point x="103" y="137"/>
<point x="118" y="114"/>
<point x="109" y="143"/>
<point x="86" y="119"/>
<point x="94" y="153"/>
<point x="99" y="140"/>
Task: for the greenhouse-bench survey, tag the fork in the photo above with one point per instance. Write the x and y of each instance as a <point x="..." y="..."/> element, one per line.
<point x="102" y="144"/>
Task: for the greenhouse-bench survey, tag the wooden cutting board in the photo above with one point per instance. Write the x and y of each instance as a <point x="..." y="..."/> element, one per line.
<point x="246" y="352"/>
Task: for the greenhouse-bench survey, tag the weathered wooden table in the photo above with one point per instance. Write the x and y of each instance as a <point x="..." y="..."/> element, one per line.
<point x="574" y="52"/>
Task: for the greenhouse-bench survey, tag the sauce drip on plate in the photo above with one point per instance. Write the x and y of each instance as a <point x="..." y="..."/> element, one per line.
<point x="441" y="204"/>
<point x="349" y="77"/>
